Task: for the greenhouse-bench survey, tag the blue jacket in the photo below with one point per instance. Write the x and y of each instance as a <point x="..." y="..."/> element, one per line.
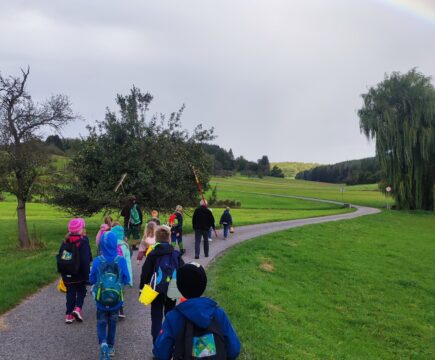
<point x="108" y="246"/>
<point x="200" y="311"/>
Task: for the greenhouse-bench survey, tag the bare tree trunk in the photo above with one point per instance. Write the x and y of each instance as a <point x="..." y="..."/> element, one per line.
<point x="23" y="232"/>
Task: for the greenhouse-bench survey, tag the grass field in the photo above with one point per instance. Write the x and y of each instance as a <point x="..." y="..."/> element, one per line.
<point x="23" y="272"/>
<point x="356" y="289"/>
<point x="291" y="169"/>
<point x="237" y="188"/>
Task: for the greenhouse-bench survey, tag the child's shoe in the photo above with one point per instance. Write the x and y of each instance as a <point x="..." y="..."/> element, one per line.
<point x="111" y="351"/>
<point x="77" y="313"/>
<point x="69" y="319"/>
<point x="183" y="251"/>
<point x="104" y="351"/>
<point x="210" y="239"/>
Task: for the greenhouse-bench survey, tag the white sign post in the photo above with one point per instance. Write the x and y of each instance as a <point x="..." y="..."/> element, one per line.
<point x="388" y="190"/>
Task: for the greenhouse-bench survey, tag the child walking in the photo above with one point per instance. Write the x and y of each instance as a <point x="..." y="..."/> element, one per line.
<point x="103" y="228"/>
<point x="148" y="240"/>
<point x="73" y="261"/>
<point x="109" y="275"/>
<point x="162" y="259"/>
<point x="226" y="221"/>
<point x="197" y="316"/>
<point x="177" y="228"/>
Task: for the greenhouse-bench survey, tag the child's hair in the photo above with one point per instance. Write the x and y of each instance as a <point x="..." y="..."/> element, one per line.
<point x="163" y="233"/>
<point x="115" y="223"/>
<point x="108" y="220"/>
<point x="179" y="208"/>
<point x="150" y="230"/>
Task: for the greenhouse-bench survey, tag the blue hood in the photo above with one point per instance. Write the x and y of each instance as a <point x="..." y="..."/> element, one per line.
<point x="108" y="246"/>
<point x="198" y="310"/>
<point x="118" y="230"/>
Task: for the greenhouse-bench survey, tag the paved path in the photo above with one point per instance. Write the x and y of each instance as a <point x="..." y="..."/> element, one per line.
<point x="36" y="330"/>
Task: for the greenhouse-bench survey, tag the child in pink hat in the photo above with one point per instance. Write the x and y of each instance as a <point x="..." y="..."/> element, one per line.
<point x="73" y="262"/>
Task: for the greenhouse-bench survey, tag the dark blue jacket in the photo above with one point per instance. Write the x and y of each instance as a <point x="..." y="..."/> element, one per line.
<point x="200" y="311"/>
<point x="226" y="218"/>
<point x="85" y="262"/>
<point x="108" y="246"/>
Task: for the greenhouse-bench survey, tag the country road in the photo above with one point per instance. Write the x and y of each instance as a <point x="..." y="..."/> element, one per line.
<point x="36" y="330"/>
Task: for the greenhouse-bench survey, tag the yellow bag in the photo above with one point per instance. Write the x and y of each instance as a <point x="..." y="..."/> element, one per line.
<point x="148" y="294"/>
<point x="232" y="229"/>
<point x="61" y="286"/>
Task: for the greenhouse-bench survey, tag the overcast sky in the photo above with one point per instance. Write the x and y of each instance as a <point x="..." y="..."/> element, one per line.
<point x="275" y="77"/>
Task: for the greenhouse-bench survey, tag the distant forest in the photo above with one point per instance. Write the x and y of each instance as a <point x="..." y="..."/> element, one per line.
<point x="353" y="172"/>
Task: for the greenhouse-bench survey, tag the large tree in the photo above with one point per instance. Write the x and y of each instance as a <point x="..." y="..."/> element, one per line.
<point x="23" y="155"/>
<point x="399" y="113"/>
<point x="157" y="155"/>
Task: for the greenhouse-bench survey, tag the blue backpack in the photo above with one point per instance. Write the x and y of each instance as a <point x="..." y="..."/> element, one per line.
<point x="165" y="268"/>
<point x="109" y="288"/>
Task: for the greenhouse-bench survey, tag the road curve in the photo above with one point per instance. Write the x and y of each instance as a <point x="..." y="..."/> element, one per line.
<point x="35" y="329"/>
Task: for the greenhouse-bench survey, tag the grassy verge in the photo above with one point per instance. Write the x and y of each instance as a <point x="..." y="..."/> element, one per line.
<point x="357" y="289"/>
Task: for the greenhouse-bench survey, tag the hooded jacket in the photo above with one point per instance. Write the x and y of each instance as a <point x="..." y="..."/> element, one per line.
<point x="148" y="267"/>
<point x="118" y="230"/>
<point x="200" y="311"/>
<point x="226" y="218"/>
<point x="108" y="246"/>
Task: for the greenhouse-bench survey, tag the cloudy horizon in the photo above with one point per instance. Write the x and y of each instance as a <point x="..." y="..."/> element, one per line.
<point x="277" y="78"/>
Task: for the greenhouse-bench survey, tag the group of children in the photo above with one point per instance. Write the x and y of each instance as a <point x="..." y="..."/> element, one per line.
<point x="196" y="321"/>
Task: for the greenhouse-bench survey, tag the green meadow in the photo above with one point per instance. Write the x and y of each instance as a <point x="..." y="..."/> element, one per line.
<point x="23" y="272"/>
<point x="242" y="188"/>
<point x="354" y="289"/>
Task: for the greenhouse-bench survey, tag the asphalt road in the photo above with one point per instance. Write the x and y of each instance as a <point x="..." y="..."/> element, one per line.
<point x="36" y="330"/>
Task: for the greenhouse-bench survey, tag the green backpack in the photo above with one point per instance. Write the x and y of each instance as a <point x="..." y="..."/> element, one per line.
<point x="134" y="215"/>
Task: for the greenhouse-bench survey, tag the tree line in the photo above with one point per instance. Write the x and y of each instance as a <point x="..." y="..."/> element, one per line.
<point x="353" y="172"/>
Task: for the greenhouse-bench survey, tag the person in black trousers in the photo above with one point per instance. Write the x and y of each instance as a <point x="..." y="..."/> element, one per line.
<point x="202" y="221"/>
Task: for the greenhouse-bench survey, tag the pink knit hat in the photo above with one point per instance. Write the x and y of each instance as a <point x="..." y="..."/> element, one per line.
<point x="76" y="225"/>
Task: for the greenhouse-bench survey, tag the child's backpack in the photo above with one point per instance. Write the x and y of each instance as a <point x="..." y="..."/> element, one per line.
<point x="68" y="259"/>
<point x="108" y="288"/>
<point x="164" y="270"/>
<point x="134" y="215"/>
<point x="195" y="343"/>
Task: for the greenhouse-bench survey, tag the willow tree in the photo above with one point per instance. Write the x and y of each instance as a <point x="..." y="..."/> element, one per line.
<point x="399" y="114"/>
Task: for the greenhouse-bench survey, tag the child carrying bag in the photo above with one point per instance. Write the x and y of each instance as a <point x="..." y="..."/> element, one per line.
<point x="149" y="293"/>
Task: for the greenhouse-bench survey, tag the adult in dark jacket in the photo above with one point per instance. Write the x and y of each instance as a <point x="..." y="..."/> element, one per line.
<point x="161" y="304"/>
<point x="201" y="311"/>
<point x="132" y="226"/>
<point x="76" y="283"/>
<point x="226" y="221"/>
<point x="202" y="221"/>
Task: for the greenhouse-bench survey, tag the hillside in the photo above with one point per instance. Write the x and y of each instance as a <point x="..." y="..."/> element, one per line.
<point x="290" y="169"/>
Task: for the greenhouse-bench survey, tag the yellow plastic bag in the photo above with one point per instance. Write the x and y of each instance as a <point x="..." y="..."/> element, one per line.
<point x="61" y="286"/>
<point x="148" y="294"/>
<point x="232" y="230"/>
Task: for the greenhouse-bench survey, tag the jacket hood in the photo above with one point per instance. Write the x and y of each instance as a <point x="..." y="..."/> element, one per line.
<point x="199" y="310"/>
<point x="108" y="246"/>
<point x="160" y="249"/>
<point x="118" y="230"/>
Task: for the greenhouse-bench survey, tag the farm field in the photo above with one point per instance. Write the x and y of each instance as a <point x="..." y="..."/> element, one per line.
<point x="355" y="289"/>
<point x="22" y="273"/>
<point x="240" y="188"/>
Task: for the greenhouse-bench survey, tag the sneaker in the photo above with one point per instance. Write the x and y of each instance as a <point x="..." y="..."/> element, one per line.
<point x="77" y="313"/>
<point x="183" y="251"/>
<point x="69" y="319"/>
<point x="196" y="257"/>
<point x="111" y="351"/>
<point x="210" y="239"/>
<point x="104" y="351"/>
<point x="121" y="313"/>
